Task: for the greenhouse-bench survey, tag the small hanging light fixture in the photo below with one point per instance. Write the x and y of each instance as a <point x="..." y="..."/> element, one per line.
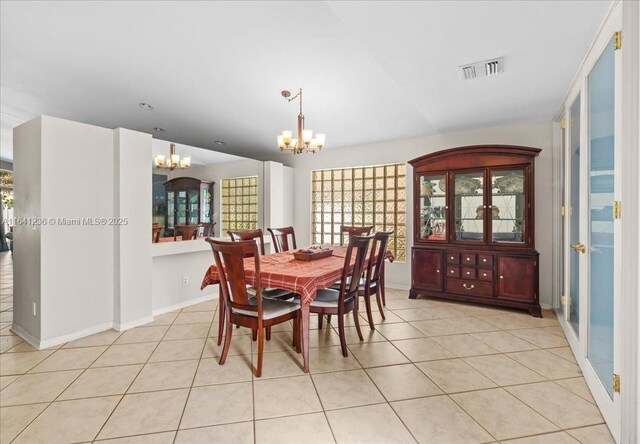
<point x="304" y="142"/>
<point x="174" y="160"/>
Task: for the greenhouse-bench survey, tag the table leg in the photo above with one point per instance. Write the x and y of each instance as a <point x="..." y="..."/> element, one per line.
<point x="304" y="315"/>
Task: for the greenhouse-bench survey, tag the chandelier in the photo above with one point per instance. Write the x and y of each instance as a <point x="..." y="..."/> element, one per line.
<point x="304" y="142"/>
<point x="174" y="160"/>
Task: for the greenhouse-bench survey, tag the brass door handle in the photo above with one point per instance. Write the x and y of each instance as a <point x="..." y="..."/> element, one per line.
<point x="579" y="247"/>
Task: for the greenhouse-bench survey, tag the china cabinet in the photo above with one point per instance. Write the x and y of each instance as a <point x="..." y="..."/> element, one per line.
<point x="189" y="201"/>
<point x="474" y="226"/>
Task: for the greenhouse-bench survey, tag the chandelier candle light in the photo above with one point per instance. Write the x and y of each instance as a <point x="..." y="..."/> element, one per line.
<point x="173" y="161"/>
<point x="305" y="140"/>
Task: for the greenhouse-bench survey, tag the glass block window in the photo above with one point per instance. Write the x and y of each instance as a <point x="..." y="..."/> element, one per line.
<point x="372" y="195"/>
<point x="239" y="204"/>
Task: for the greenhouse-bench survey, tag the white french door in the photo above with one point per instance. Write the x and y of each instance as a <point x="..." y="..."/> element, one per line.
<point x="591" y="226"/>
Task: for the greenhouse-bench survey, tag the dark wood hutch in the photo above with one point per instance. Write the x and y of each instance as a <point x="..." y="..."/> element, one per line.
<point x="189" y="201"/>
<point x="474" y="226"/>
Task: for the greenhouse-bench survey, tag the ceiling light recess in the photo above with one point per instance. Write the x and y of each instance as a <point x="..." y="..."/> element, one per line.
<point x="145" y="106"/>
<point x="485" y="68"/>
<point x="219" y="142"/>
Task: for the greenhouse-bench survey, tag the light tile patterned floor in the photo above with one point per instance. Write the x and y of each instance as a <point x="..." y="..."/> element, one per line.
<point x="435" y="371"/>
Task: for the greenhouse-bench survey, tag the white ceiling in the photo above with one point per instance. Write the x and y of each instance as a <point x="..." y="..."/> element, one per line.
<point x="371" y="71"/>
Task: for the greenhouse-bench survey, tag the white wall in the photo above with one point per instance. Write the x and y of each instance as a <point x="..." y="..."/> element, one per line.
<point x="76" y="265"/>
<point x="398" y="274"/>
<point x="168" y="271"/>
<point x="26" y="245"/>
<point x="132" y="242"/>
<point x="288" y="195"/>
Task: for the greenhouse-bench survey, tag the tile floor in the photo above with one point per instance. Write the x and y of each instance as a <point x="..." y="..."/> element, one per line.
<point x="433" y="372"/>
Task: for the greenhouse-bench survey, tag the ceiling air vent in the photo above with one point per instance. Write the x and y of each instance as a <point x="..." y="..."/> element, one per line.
<point x="481" y="69"/>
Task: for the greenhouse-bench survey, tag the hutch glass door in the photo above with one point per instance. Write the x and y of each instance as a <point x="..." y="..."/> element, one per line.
<point x="469" y="206"/>
<point x="508" y="206"/>
<point x="181" y="218"/>
<point x="433" y="207"/>
<point x="193" y="207"/>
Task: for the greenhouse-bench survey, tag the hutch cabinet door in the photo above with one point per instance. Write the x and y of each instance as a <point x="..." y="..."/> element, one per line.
<point x="469" y="207"/>
<point x="509" y="207"/>
<point x="432" y="201"/>
<point x="516" y="277"/>
<point x="427" y="269"/>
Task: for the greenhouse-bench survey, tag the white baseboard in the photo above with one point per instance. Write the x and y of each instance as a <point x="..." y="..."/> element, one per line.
<point x="24" y="335"/>
<point x="183" y="304"/>
<point x="132" y="324"/>
<point x="40" y="344"/>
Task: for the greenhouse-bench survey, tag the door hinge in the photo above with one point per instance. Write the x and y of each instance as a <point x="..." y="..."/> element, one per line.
<point x="564" y="211"/>
<point x="563" y="300"/>
<point x="617" y="40"/>
<point x="617" y="209"/>
<point x="616" y="383"/>
<point x="563" y="123"/>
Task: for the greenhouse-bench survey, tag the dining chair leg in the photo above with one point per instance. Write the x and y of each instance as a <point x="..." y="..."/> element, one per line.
<point x="367" y="304"/>
<point x="227" y="343"/>
<point x="221" y="310"/>
<point x="328" y="319"/>
<point x="268" y="329"/>
<point x="254" y="334"/>
<point x="294" y="336"/>
<point x="356" y="321"/>
<point x="260" y="351"/>
<point x="381" y="285"/>
<point x="320" y="317"/>
<point x="343" y="339"/>
<point x="379" y="301"/>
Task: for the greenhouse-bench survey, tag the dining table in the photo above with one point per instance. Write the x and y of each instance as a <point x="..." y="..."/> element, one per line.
<point x="283" y="270"/>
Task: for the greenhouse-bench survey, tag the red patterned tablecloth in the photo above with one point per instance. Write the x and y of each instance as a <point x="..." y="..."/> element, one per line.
<point x="282" y="270"/>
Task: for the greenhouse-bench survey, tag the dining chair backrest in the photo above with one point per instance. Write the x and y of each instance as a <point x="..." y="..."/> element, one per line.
<point x="358" y="245"/>
<point x="208" y="229"/>
<point x="187" y="232"/>
<point x="155" y="233"/>
<point x="229" y="258"/>
<point x="354" y="231"/>
<point x="253" y="235"/>
<point x="280" y="237"/>
<point x="376" y="256"/>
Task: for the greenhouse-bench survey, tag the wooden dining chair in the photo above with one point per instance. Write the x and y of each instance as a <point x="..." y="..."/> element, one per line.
<point x="156" y="230"/>
<point x="252" y="235"/>
<point x="187" y="232"/>
<point x="373" y="283"/>
<point x="344" y="300"/>
<point x="256" y="236"/>
<point x="355" y="231"/>
<point x="207" y="230"/>
<point x="241" y="307"/>
<point x="280" y="237"/>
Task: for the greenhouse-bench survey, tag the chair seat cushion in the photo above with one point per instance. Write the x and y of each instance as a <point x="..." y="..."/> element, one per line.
<point x="327" y="298"/>
<point x="361" y="284"/>
<point x="273" y="293"/>
<point x="271" y="308"/>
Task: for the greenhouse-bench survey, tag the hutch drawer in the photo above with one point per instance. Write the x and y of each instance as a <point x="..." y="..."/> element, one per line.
<point x="453" y="258"/>
<point x="468" y="273"/>
<point x="485" y="260"/>
<point x="453" y="272"/>
<point x="475" y="288"/>
<point x="485" y="275"/>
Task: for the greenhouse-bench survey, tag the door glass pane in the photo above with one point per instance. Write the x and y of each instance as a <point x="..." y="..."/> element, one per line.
<point x="171" y="209"/>
<point x="573" y="214"/>
<point x="563" y="248"/>
<point x="182" y="208"/>
<point x="433" y="212"/>
<point x="205" y="210"/>
<point x="193" y="207"/>
<point x="507" y="206"/>
<point x="469" y="206"/>
<point x="601" y="226"/>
